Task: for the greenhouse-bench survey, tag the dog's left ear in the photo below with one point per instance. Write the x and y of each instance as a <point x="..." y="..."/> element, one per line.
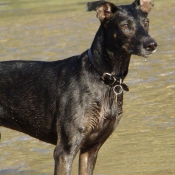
<point x="144" y="5"/>
<point x="105" y="10"/>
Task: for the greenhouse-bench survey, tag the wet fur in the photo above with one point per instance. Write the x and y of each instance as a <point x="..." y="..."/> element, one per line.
<point x="66" y="103"/>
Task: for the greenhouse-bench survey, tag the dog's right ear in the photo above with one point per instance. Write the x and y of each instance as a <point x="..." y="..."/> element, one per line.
<point x="144" y="5"/>
<point x="105" y="10"/>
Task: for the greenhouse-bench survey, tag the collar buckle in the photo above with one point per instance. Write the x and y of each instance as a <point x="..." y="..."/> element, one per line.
<point x="108" y="79"/>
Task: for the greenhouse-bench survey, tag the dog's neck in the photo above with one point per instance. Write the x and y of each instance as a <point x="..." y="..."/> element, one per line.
<point x="114" y="62"/>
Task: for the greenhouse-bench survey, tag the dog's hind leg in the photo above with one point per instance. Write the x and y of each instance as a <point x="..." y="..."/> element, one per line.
<point x="87" y="159"/>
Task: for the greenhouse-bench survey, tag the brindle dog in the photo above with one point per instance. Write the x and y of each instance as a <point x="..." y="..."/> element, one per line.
<point x="76" y="103"/>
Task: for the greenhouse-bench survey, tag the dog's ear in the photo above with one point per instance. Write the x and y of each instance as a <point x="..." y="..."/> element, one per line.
<point x="144" y="5"/>
<point x="105" y="10"/>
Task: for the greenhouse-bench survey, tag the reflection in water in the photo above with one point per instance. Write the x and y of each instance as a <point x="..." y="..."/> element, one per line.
<point x="143" y="143"/>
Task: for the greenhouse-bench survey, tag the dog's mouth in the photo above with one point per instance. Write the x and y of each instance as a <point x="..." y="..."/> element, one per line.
<point x="142" y="51"/>
<point x="149" y="53"/>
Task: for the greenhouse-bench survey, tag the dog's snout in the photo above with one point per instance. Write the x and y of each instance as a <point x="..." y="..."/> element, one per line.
<point x="151" y="45"/>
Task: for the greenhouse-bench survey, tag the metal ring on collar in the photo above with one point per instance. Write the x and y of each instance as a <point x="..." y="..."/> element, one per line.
<point x="120" y="91"/>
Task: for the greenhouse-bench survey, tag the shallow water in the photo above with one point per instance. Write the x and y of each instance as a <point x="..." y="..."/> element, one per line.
<point x="144" y="141"/>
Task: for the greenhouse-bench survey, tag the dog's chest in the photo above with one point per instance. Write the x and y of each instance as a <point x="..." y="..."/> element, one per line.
<point x="101" y="120"/>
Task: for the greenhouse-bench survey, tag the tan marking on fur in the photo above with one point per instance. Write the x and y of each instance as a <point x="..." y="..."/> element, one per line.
<point x="92" y="114"/>
<point x="115" y="35"/>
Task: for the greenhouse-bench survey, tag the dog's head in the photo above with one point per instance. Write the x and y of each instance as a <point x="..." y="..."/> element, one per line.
<point x="126" y="26"/>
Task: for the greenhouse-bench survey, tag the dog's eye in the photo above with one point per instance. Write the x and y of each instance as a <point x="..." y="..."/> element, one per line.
<point x="125" y="26"/>
<point x="146" y="23"/>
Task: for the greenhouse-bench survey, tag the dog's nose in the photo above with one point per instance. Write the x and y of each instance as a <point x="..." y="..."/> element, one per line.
<point x="151" y="45"/>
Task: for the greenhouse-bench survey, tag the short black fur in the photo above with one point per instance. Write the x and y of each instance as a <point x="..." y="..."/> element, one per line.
<point x="67" y="103"/>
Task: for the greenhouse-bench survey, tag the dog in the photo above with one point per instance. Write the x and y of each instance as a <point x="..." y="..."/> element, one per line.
<point x="76" y="103"/>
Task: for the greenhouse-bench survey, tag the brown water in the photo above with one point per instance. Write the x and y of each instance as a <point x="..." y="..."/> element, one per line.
<point x="144" y="142"/>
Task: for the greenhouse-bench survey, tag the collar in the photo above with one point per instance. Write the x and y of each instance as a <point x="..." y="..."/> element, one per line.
<point x="114" y="81"/>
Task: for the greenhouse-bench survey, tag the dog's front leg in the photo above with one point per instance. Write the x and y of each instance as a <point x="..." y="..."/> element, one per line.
<point x="67" y="147"/>
<point x="87" y="159"/>
<point x="63" y="160"/>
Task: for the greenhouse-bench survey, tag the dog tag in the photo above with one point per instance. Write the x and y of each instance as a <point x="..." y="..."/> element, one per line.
<point x="125" y="87"/>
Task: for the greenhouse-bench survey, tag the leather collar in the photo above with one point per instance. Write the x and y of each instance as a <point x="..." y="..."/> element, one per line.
<point x="109" y="79"/>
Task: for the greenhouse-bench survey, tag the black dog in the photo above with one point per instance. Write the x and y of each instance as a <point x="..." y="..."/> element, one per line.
<point x="77" y="103"/>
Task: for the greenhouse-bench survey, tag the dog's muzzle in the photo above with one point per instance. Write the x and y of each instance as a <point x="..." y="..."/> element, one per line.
<point x="150" y="46"/>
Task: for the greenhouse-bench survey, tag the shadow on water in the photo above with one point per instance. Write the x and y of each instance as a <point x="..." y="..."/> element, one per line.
<point x="143" y="143"/>
<point x="13" y="171"/>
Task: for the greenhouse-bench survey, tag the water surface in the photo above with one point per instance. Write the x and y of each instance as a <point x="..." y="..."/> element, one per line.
<point x="144" y="141"/>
